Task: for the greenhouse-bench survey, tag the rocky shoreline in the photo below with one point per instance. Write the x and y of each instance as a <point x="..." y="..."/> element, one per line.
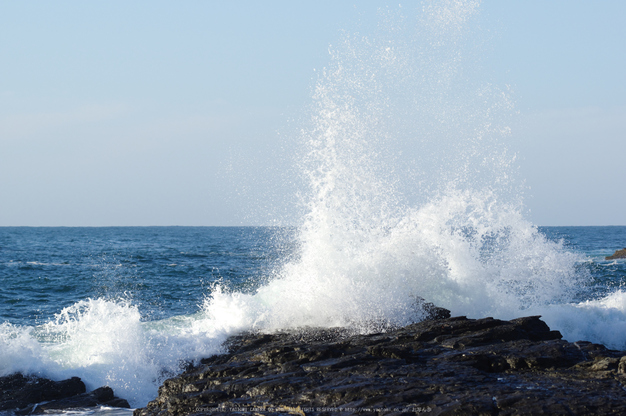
<point x="25" y="395"/>
<point x="442" y="366"/>
<point x="450" y="366"/>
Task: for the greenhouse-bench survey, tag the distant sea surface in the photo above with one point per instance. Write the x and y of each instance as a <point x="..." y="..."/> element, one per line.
<point x="164" y="271"/>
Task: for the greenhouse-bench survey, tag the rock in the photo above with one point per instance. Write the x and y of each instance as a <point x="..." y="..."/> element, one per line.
<point x="430" y="310"/>
<point x="444" y="366"/>
<point x="30" y="394"/>
<point x="102" y="396"/>
<point x="19" y="391"/>
<point x="619" y="254"/>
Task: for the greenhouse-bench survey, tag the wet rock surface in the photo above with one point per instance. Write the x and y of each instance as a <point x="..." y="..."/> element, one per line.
<point x="22" y="395"/>
<point x="449" y="366"/>
<point x="619" y="254"/>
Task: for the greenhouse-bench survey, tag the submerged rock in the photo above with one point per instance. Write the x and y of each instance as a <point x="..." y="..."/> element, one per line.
<point x="30" y="394"/>
<point x="619" y="254"/>
<point x="445" y="366"/>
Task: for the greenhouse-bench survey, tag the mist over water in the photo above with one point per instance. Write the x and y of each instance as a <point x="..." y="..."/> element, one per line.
<point x="412" y="193"/>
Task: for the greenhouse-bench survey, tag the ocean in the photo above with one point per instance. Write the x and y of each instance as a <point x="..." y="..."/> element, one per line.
<point x="129" y="306"/>
<point x="410" y="190"/>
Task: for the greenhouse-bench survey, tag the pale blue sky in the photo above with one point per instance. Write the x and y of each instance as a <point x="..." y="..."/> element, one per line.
<point x="173" y="113"/>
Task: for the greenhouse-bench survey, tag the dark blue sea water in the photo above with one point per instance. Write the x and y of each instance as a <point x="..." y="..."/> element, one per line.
<point x="595" y="243"/>
<point x="165" y="271"/>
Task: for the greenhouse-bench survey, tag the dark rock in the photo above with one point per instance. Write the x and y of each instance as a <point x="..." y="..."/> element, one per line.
<point x="102" y="396"/>
<point x="443" y="367"/>
<point x="30" y="394"/>
<point x="430" y="310"/>
<point x="18" y="391"/>
<point x="619" y="254"/>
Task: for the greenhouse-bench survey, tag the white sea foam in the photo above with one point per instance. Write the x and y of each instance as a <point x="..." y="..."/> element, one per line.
<point x="105" y="343"/>
<point x="600" y="320"/>
<point x="462" y="252"/>
<point x="19" y="350"/>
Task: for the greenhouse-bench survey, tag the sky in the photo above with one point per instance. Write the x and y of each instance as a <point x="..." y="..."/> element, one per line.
<point x="140" y="113"/>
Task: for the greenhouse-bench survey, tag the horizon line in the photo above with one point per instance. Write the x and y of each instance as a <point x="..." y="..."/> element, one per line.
<point x="227" y="226"/>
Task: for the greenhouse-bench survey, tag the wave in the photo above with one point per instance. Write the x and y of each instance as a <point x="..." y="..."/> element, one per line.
<point x="412" y="190"/>
<point x="601" y="320"/>
<point x="106" y="343"/>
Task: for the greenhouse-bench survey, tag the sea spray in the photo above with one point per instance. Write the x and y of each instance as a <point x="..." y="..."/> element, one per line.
<point x="19" y="350"/>
<point x="412" y="191"/>
<point x="601" y="320"/>
<point x="106" y="343"/>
